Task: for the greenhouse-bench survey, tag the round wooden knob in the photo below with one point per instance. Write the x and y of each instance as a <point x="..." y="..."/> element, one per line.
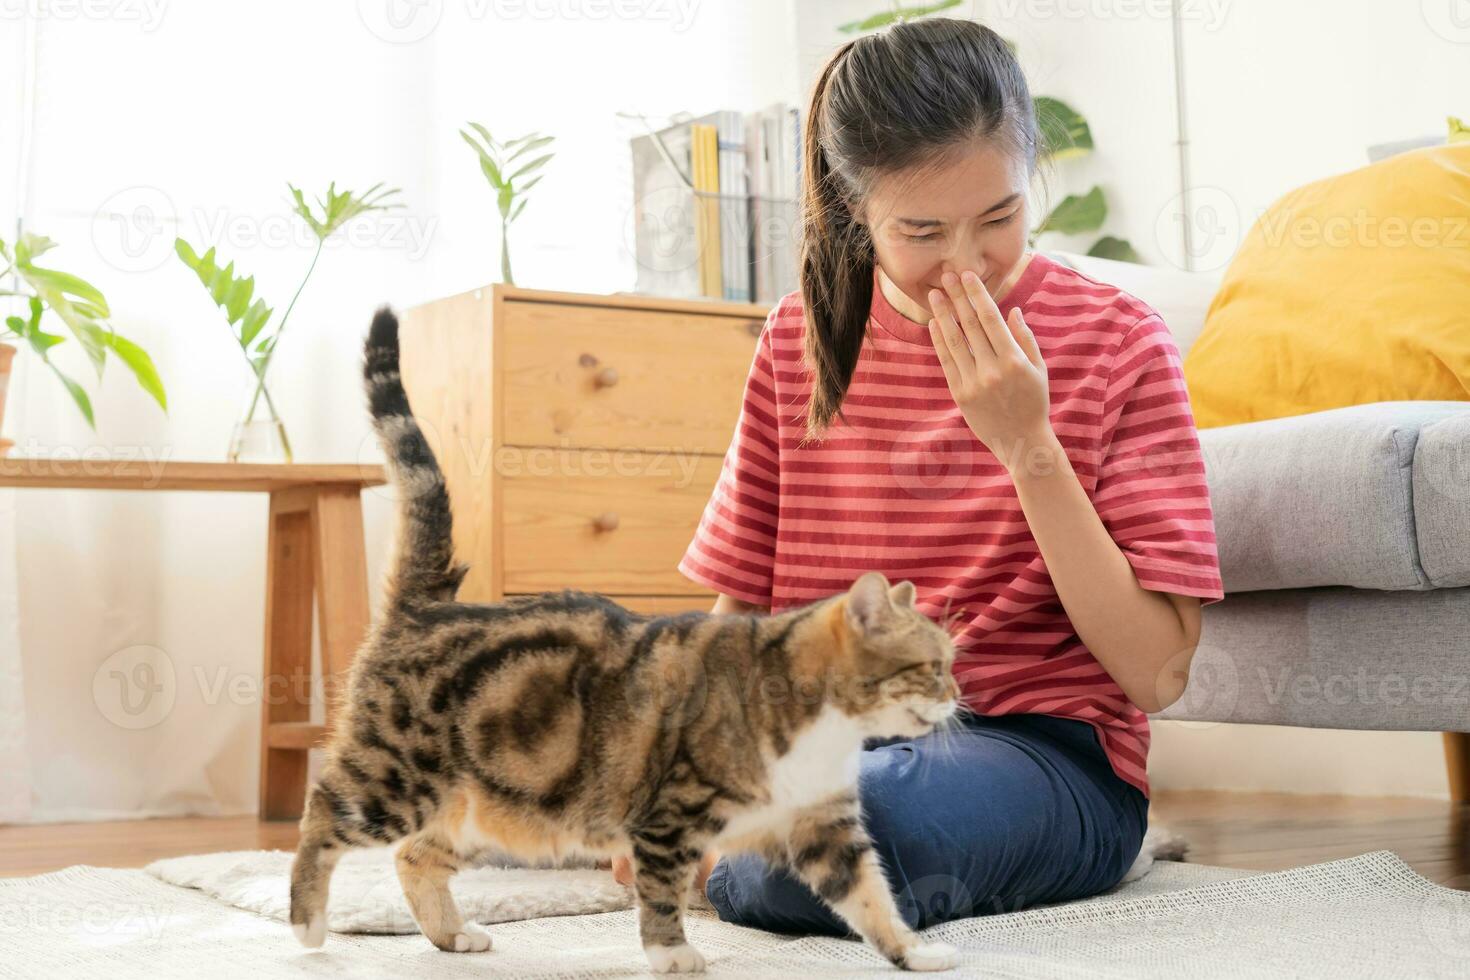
<point x="606" y="378"/>
<point x="607" y="521"/>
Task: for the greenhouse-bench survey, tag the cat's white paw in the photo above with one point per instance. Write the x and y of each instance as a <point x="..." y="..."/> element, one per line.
<point x="313" y="933"/>
<point x="683" y="958"/>
<point x="472" y="938"/>
<point x="931" y="956"/>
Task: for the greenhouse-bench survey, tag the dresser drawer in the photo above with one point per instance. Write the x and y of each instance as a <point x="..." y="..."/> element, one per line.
<point x="613" y="377"/>
<point x="602" y="521"/>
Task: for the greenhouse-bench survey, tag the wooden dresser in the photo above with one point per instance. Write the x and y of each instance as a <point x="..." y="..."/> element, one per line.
<point x="580" y="435"/>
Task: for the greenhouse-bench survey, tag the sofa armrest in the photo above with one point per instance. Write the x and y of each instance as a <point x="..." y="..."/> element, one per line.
<point x="1372" y="496"/>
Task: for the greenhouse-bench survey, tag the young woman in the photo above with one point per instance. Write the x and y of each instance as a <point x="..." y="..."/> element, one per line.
<point x="1015" y="438"/>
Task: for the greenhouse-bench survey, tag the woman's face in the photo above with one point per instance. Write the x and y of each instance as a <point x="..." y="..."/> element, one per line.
<point x="968" y="214"/>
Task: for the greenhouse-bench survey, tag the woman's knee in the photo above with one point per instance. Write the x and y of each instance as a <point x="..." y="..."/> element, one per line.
<point x="967" y="827"/>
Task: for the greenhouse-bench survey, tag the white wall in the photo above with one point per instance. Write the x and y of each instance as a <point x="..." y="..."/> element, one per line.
<point x="194" y="122"/>
<point x="189" y="125"/>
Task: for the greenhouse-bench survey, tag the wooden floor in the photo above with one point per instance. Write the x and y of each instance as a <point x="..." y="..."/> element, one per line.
<point x="1263" y="831"/>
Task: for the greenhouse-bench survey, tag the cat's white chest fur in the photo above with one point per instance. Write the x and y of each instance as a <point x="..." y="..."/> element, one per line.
<point x="821" y="763"/>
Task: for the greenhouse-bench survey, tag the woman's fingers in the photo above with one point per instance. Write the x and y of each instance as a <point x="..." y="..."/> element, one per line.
<point x="988" y="316"/>
<point x="969" y="314"/>
<point x="962" y="362"/>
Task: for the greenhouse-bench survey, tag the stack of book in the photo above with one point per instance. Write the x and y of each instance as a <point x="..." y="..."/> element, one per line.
<point x="715" y="206"/>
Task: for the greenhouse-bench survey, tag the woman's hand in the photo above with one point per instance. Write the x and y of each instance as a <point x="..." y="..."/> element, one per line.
<point x="994" y="368"/>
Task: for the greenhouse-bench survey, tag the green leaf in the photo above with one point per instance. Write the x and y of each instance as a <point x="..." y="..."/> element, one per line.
<point x="517" y="212"/>
<point x="1109" y="247"/>
<point x="30" y="245"/>
<point x="81" y="306"/>
<point x="890" y="16"/>
<point x="338" y="208"/>
<point x="252" y="321"/>
<point x="85" y="298"/>
<point x="531" y="167"/>
<point x="222" y="284"/>
<point x="239" y="300"/>
<point x="504" y="200"/>
<point x="1459" y="132"/>
<point x="229" y="292"/>
<point x="78" y="395"/>
<point x="1077" y="214"/>
<point x="535" y="144"/>
<point x="1065" y="134"/>
<point x="30" y="330"/>
<point x="138" y="361"/>
<point x="485" y="135"/>
<point x="487" y="163"/>
<point x="78" y="303"/>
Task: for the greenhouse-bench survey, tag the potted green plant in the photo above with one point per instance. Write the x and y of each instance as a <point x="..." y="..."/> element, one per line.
<point x="81" y="307"/>
<point x="249" y="318"/>
<point x="494" y="159"/>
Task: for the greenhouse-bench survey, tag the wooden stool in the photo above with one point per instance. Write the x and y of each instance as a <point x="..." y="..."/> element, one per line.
<point x="315" y="548"/>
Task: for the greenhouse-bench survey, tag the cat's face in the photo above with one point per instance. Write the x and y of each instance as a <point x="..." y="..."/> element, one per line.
<point x="901" y="660"/>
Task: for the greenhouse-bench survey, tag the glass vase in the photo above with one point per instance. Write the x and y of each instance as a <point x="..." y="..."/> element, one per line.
<point x="260" y="435"/>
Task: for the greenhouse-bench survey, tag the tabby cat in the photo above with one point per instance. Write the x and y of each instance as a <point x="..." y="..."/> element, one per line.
<point x="562" y="724"/>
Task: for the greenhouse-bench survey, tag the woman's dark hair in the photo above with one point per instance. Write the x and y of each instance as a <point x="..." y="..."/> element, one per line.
<point x="910" y="98"/>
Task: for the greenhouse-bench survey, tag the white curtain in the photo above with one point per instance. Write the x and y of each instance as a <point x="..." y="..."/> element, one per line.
<point x="131" y="637"/>
<point x="15" y="776"/>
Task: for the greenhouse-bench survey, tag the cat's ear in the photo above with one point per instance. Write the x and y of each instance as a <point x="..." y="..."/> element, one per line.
<point x="902" y="593"/>
<point x="868" y="603"/>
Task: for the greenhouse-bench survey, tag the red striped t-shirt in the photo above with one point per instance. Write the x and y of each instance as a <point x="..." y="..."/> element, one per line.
<point x="904" y="487"/>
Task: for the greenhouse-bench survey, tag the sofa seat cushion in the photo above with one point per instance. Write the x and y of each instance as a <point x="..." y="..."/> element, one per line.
<point x="1373" y="496"/>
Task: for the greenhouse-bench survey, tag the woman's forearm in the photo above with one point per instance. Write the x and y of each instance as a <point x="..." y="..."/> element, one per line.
<point x="1135" y="633"/>
<point x="730" y="604"/>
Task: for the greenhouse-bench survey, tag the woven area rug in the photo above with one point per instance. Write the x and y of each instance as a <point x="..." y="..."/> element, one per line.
<point x="1367" y="916"/>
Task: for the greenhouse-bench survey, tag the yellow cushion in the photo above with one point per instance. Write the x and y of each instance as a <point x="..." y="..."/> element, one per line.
<point x="1349" y="290"/>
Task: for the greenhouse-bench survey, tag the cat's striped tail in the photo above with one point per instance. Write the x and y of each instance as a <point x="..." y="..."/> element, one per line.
<point x="425" y="567"/>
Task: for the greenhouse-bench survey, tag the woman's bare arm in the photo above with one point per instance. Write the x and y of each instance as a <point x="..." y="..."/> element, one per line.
<point x="730" y="604"/>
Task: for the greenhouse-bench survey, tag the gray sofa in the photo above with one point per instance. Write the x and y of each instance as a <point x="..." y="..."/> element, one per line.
<point x="1344" y="541"/>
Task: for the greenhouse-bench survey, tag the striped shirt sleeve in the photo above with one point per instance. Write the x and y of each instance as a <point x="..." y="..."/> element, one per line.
<point x="734" y="547"/>
<point x="1151" y="492"/>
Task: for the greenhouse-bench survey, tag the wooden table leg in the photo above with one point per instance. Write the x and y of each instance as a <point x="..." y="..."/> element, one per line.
<point x="286" y="678"/>
<point x="342" y="592"/>
<point x="316" y="548"/>
<point x="1457" y="762"/>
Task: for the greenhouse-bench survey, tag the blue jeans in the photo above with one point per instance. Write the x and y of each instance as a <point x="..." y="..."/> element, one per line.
<point x="1005" y="812"/>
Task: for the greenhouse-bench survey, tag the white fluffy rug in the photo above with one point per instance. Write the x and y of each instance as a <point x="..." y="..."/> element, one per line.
<point x="1367" y="916"/>
<point x="366" y="897"/>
